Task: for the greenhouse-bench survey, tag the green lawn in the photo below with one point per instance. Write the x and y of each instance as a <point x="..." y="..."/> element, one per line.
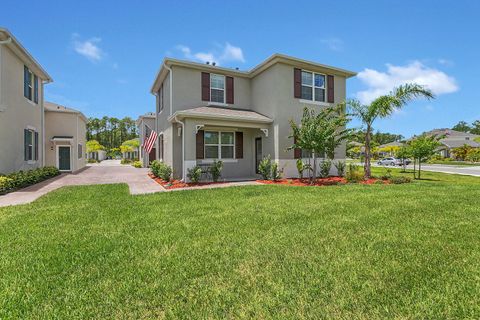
<point x="364" y="252"/>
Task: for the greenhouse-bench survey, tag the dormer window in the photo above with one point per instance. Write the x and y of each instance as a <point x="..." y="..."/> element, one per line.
<point x="217" y="88"/>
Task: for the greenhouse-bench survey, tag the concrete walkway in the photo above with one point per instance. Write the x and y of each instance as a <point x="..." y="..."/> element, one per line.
<point x="107" y="172"/>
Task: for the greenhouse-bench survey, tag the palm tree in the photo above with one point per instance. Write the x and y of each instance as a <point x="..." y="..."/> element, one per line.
<point x="383" y="107"/>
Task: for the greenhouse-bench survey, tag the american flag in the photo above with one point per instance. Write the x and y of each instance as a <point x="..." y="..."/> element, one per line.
<point x="150" y="141"/>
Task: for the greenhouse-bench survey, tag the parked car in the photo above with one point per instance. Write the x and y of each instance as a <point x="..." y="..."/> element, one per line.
<point x="390" y="162"/>
<point x="407" y="161"/>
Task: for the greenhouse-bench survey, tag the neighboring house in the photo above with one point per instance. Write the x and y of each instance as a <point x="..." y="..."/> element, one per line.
<point x="205" y="112"/>
<point x="21" y="107"/>
<point x="98" y="155"/>
<point x="145" y="125"/>
<point x="132" y="154"/>
<point x="65" y="137"/>
<point x="452" y="139"/>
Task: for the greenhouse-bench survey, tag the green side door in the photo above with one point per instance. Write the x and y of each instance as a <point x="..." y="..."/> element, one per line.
<point x="64" y="158"/>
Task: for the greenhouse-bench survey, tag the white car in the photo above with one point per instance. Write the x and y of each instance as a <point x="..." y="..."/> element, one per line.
<point x="389" y="162"/>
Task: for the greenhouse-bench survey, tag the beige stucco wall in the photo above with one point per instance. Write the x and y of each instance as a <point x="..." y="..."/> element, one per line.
<point x="269" y="93"/>
<point x="65" y="124"/>
<point x="16" y="114"/>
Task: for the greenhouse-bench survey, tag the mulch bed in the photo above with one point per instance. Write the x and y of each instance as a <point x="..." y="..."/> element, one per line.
<point x="330" y="181"/>
<point x="177" y="184"/>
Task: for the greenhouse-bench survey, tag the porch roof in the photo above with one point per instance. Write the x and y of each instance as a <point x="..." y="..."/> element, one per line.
<point x="219" y="113"/>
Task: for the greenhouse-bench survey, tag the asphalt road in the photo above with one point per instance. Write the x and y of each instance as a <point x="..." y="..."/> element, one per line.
<point x="465" y="170"/>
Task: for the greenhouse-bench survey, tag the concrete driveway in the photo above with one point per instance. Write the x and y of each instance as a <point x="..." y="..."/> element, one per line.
<point x="106" y="172"/>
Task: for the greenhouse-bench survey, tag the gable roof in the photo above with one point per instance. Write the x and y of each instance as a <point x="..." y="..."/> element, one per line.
<point x="449" y="133"/>
<point x="457" y="143"/>
<point x="221" y="114"/>
<point x="13" y="44"/>
<point x="272" y="60"/>
<point x="53" y="107"/>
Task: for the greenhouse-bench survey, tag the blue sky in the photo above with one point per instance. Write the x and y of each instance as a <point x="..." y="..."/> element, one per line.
<point x="104" y="55"/>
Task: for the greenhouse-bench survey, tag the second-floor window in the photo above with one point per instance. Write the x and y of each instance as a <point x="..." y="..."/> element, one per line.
<point x="217" y="88"/>
<point x="313" y="86"/>
<point x="30" y="85"/>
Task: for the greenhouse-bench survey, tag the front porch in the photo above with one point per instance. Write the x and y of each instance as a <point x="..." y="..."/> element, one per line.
<point x="240" y="140"/>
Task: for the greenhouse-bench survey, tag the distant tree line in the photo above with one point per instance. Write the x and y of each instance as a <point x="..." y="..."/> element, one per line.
<point x="378" y="138"/>
<point x="463" y="126"/>
<point x="111" y="132"/>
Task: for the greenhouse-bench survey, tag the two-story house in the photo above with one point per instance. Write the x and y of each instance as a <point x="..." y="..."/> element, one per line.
<point x="34" y="133"/>
<point x="22" y="115"/>
<point x="206" y="112"/>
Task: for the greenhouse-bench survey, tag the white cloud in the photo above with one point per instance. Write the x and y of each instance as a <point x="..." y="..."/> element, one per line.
<point x="224" y="53"/>
<point x="446" y="62"/>
<point x="380" y="83"/>
<point x="88" y="48"/>
<point x="334" y="44"/>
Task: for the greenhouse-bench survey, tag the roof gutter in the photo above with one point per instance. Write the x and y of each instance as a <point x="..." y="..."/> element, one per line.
<point x="9" y="40"/>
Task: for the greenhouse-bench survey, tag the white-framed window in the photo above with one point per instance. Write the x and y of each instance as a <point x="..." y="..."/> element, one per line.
<point x="313" y="86"/>
<point x="217" y="88"/>
<point x="29" y="145"/>
<point x="219" y="145"/>
<point x="80" y="151"/>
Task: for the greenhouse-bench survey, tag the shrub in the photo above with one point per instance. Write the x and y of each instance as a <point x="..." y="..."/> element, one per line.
<point x="194" y="174"/>
<point x="265" y="168"/>
<point x="387" y="175"/>
<point x="137" y="164"/>
<point x="340" y="166"/>
<point x="276" y="173"/>
<point x="92" y="161"/>
<point x="400" y="180"/>
<point x="216" y="170"/>
<point x="21" y="179"/>
<point x="353" y="173"/>
<point x="5" y="184"/>
<point x="126" y="161"/>
<point x="161" y="170"/>
<point x="325" y="167"/>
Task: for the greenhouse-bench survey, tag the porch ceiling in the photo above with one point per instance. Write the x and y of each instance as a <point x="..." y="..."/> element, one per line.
<point x="219" y="113"/>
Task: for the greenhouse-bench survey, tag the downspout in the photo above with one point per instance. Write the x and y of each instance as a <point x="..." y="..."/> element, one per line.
<point x="183" y="147"/>
<point x="2" y="108"/>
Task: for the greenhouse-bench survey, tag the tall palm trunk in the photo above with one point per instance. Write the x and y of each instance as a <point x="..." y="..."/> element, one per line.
<point x="366" y="168"/>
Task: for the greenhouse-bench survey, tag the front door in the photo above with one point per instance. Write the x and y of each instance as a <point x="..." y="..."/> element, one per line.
<point x="258" y="153"/>
<point x="64" y="158"/>
<point x="151" y="155"/>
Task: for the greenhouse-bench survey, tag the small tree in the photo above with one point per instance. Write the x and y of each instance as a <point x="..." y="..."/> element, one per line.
<point x="461" y="153"/>
<point x="422" y="148"/>
<point x="93" y="146"/>
<point x="320" y="133"/>
<point x="474" y="155"/>
<point x="403" y="153"/>
<point x="130" y="146"/>
<point x="383" y="107"/>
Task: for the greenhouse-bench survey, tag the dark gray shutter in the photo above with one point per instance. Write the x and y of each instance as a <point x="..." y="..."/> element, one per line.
<point x="205" y="86"/>
<point x="200" y="144"/>
<point x="35" y="89"/>
<point x="229" y="93"/>
<point x="239" y="145"/>
<point x="36" y="145"/>
<point x="297" y="83"/>
<point x="25" y="82"/>
<point x="330" y="89"/>
<point x="25" y="144"/>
